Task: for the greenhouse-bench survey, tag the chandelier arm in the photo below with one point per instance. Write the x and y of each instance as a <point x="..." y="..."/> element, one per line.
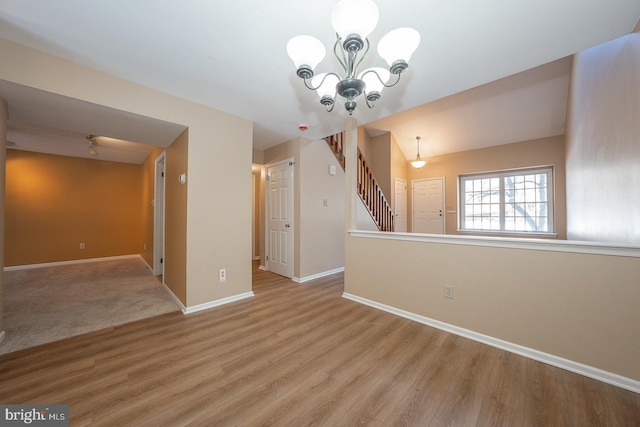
<point x="366" y="50"/>
<point x="382" y="82"/>
<point x="394" y="83"/>
<point x="306" y="81"/>
<point x="343" y="60"/>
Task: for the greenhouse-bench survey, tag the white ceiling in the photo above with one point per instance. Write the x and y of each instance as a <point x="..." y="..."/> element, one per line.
<point x="232" y="56"/>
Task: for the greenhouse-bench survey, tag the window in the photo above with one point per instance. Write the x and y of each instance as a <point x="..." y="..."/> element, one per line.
<point x="518" y="201"/>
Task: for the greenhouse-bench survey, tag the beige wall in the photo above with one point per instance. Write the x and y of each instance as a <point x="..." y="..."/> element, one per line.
<point x="321" y="227"/>
<point x="399" y="169"/>
<point x="580" y="307"/>
<point x="175" y="218"/>
<point x="218" y="220"/>
<point x="546" y="151"/>
<point x="603" y="143"/>
<point x="379" y="160"/>
<point x="318" y="230"/>
<point x="54" y="203"/>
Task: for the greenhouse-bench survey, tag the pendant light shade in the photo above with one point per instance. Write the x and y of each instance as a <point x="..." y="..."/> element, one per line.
<point x="305" y="51"/>
<point x="398" y="45"/>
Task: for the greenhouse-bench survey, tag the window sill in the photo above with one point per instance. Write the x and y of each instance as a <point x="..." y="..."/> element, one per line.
<point x="515" y="234"/>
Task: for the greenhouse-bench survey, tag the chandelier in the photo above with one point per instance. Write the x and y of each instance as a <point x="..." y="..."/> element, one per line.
<point x="353" y="21"/>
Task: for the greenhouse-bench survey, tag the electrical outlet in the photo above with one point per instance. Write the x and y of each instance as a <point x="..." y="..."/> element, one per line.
<point x="448" y="291"/>
<point x="82" y="245"/>
<point x="223" y="274"/>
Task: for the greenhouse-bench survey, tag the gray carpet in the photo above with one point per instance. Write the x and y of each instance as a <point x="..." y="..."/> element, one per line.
<point x="48" y="304"/>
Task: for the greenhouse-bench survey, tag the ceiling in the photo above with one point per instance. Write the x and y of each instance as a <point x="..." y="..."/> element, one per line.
<point x="455" y="93"/>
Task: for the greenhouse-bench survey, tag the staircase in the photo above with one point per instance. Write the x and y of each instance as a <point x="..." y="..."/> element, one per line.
<point x="369" y="191"/>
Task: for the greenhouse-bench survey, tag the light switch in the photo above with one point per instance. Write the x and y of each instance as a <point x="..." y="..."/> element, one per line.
<point x="182" y="178"/>
<point x="332" y="169"/>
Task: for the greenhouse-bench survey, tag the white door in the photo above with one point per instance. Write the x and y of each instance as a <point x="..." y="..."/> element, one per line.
<point x="158" y="217"/>
<point x="280" y="218"/>
<point x="428" y="206"/>
<point x="400" y="208"/>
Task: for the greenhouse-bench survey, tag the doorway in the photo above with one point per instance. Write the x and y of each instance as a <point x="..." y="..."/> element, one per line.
<point x="400" y="205"/>
<point x="280" y="227"/>
<point x="158" y="216"/>
<point x="428" y="206"/>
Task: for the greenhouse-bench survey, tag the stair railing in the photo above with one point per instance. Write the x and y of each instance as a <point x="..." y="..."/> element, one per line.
<point x="368" y="189"/>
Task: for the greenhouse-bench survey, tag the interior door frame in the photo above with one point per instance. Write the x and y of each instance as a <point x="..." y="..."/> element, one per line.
<point x="267" y="241"/>
<point x="159" y="192"/>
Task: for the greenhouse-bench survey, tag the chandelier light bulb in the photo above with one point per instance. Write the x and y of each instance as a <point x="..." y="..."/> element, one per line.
<point x="305" y="51"/>
<point x="398" y="45"/>
<point x="354" y="17"/>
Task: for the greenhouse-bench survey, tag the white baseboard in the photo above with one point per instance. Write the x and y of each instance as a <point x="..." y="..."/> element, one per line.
<point x="256" y="258"/>
<point x="317" y="276"/>
<point x="71" y="262"/>
<point x="262" y="267"/>
<point x="3" y="335"/>
<point x="549" y="359"/>
<point x="216" y="303"/>
<point x="174" y="297"/>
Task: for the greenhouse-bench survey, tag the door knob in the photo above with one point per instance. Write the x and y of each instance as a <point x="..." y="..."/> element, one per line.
<point x="287" y="225"/>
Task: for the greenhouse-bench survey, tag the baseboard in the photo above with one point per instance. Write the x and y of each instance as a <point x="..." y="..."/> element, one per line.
<point x="174" y="297"/>
<point x="317" y="276"/>
<point x="549" y="359"/>
<point x="3" y="335"/>
<point x="147" y="264"/>
<point x="71" y="262"/>
<point x="262" y="267"/>
<point x="216" y="303"/>
<point x="256" y="258"/>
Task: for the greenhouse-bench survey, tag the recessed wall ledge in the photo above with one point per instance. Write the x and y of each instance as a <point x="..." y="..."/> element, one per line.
<point x="596" y="248"/>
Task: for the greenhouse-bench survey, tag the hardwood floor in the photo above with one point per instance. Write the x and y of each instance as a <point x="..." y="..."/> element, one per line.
<point x="297" y="355"/>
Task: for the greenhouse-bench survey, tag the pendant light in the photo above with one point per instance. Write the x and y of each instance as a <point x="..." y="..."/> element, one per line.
<point x="418" y="163"/>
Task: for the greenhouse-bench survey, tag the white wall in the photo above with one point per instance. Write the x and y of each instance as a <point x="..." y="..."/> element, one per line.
<point x="603" y="143"/>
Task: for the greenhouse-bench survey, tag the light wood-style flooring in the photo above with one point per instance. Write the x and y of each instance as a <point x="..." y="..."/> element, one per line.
<point x="298" y="355"/>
